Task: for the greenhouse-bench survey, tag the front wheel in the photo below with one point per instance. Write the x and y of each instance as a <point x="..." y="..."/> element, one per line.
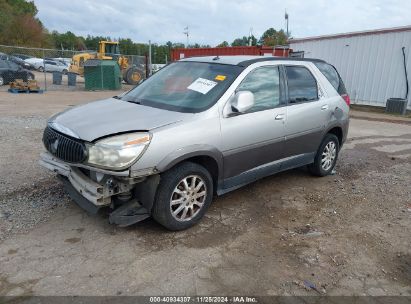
<point x="183" y="196"/>
<point x="326" y="157"/>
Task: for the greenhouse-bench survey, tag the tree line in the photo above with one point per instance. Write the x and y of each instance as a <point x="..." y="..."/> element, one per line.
<point x="19" y="26"/>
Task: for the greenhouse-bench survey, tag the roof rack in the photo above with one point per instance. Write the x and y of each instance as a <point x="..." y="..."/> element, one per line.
<point x="246" y="63"/>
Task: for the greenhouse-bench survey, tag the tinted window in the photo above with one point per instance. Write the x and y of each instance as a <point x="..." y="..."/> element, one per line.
<point x="12" y="65"/>
<point x="264" y="83"/>
<point x="302" y="85"/>
<point x="3" y="65"/>
<point x="332" y="75"/>
<point x="51" y="62"/>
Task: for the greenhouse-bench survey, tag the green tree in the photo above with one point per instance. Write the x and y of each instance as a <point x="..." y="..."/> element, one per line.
<point x="223" y="44"/>
<point x="271" y="37"/>
<point x="178" y="45"/>
<point x="244" y="41"/>
<point x="19" y="25"/>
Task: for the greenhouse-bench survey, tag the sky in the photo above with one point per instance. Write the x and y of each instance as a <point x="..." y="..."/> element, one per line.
<point x="213" y="21"/>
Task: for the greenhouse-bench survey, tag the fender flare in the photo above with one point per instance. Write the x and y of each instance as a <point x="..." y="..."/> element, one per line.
<point x="185" y="153"/>
<point x="146" y="191"/>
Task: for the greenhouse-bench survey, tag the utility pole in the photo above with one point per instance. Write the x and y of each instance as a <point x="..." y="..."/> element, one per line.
<point x="286" y="22"/>
<point x="186" y="32"/>
<point x="250" y="37"/>
<point x="149" y="57"/>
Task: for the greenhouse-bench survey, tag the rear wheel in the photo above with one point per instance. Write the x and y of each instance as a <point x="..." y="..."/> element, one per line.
<point x="326" y="157"/>
<point x="133" y="75"/>
<point x="30" y="76"/>
<point x="41" y="69"/>
<point x="183" y="196"/>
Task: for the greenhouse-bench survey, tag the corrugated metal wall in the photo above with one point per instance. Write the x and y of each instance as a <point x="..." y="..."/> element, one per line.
<point x="370" y="65"/>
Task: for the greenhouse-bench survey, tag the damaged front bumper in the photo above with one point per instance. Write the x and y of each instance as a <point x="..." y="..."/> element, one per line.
<point x="92" y="195"/>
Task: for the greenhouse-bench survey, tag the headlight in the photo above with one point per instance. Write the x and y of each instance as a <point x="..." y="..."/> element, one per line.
<point x="117" y="152"/>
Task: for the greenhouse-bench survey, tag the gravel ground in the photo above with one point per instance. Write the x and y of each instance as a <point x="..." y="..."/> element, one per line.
<point x="289" y="234"/>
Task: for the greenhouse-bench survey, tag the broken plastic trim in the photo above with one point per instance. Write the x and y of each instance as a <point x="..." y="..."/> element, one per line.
<point x="128" y="214"/>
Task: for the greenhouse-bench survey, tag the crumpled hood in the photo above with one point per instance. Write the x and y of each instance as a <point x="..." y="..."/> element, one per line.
<point x="101" y="118"/>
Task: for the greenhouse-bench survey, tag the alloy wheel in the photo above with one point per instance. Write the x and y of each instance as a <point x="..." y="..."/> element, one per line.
<point x="188" y="198"/>
<point x="328" y="156"/>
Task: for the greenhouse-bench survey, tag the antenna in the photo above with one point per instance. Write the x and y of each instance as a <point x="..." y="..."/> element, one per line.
<point x="186" y="32"/>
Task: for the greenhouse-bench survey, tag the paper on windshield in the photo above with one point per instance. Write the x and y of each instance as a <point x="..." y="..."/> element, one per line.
<point x="202" y="85"/>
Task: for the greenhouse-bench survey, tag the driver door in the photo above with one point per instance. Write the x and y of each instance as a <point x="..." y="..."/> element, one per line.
<point x="256" y="137"/>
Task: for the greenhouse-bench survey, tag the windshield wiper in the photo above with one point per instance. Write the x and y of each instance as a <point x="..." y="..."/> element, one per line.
<point x="136" y="101"/>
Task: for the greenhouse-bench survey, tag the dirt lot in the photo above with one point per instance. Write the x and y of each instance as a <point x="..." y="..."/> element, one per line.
<point x="290" y="234"/>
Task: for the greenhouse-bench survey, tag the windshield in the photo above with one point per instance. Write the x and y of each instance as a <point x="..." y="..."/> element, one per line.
<point x="112" y="49"/>
<point x="185" y="86"/>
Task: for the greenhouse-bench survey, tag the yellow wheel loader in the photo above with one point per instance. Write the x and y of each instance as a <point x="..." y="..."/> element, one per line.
<point x="109" y="50"/>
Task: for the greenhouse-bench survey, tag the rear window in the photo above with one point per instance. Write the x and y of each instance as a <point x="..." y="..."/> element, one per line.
<point x="332" y="75"/>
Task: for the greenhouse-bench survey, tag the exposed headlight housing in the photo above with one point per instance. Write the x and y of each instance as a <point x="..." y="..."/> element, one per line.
<point x="119" y="151"/>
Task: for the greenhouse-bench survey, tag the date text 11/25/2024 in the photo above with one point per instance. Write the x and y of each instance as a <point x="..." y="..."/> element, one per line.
<point x="204" y="299"/>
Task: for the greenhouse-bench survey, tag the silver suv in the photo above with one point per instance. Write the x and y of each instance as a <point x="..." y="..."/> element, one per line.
<point x="199" y="127"/>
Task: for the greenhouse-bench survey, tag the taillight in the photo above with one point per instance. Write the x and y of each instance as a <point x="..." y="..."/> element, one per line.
<point x="346" y="99"/>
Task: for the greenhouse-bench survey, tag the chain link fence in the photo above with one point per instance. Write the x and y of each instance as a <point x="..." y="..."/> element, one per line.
<point x="52" y="69"/>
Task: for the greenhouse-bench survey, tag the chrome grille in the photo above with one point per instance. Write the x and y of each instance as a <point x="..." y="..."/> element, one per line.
<point x="64" y="147"/>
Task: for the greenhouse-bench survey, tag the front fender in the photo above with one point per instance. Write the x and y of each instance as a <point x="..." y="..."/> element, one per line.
<point x="188" y="152"/>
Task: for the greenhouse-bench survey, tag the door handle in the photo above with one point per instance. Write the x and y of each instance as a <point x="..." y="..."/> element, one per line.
<point x="324" y="107"/>
<point x="280" y="117"/>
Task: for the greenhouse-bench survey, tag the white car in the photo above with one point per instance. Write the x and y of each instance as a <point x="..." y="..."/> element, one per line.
<point x="54" y="66"/>
<point x="66" y="61"/>
<point x="48" y="65"/>
<point x="35" y="62"/>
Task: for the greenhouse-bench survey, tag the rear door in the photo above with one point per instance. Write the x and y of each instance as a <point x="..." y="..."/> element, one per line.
<point x="16" y="72"/>
<point x="308" y="112"/>
<point x="256" y="137"/>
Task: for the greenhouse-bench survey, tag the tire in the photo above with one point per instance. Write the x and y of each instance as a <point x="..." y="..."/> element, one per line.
<point x="325" y="158"/>
<point x="41" y="69"/>
<point x="172" y="187"/>
<point x="30" y="76"/>
<point x="1" y="80"/>
<point x="134" y="76"/>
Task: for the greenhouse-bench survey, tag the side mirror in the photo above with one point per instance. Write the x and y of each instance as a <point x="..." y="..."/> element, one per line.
<point x="242" y="102"/>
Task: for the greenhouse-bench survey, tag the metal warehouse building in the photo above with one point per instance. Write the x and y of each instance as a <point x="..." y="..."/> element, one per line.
<point x="370" y="62"/>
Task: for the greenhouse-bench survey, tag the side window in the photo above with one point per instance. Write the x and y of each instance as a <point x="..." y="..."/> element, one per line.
<point x="3" y="65"/>
<point x="264" y="83"/>
<point x="12" y="65"/>
<point x="302" y="85"/>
